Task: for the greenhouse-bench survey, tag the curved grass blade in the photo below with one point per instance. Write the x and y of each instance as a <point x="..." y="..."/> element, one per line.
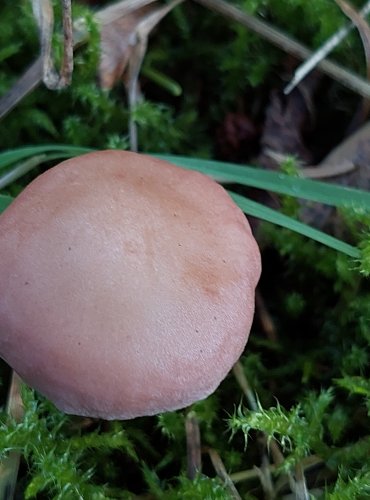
<point x="255" y="209"/>
<point x="7" y="158"/>
<point x="20" y="169"/>
<point x="227" y="172"/>
<point x="321" y="192"/>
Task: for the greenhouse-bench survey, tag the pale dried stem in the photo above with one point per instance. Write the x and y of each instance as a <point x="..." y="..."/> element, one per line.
<point x="9" y="466"/>
<point x="250" y="474"/>
<point x="33" y="75"/>
<point x="301" y="491"/>
<point x="28" y="82"/>
<point x="265" y="318"/>
<point x="222" y="473"/>
<point x="325" y="170"/>
<point x="323" y="51"/>
<point x="193" y="445"/>
<point x="265" y="477"/>
<point x="239" y="374"/>
<point x="143" y="30"/>
<point x="44" y="14"/>
<point x="278" y="458"/>
<point x="288" y="44"/>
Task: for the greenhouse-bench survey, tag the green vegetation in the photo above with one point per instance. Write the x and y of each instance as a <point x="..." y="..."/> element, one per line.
<point x="309" y="396"/>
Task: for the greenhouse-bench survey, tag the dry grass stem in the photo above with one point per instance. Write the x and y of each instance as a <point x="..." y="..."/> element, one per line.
<point x="222" y="473"/>
<point x="264" y="474"/>
<point x="272" y="445"/>
<point x="244" y="385"/>
<point x="301" y="491"/>
<point x="320" y="54"/>
<point x="193" y="445"/>
<point x="362" y="26"/>
<point x="22" y="87"/>
<point x="265" y="318"/>
<point x="143" y="29"/>
<point x="288" y="44"/>
<point x="10" y="465"/>
<point x="364" y="30"/>
<point x="247" y="475"/>
<point x="32" y="77"/>
<point x="44" y="14"/>
<point x="265" y="477"/>
<point x="326" y="171"/>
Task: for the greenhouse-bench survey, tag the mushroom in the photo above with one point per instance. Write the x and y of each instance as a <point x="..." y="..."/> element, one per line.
<point x="127" y="285"/>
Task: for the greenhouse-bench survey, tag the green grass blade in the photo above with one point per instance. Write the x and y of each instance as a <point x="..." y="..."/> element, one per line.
<point x="227" y="172"/>
<point x="7" y="158"/>
<point x="320" y="192"/>
<point x="22" y="168"/>
<point x="162" y="80"/>
<point x="255" y="209"/>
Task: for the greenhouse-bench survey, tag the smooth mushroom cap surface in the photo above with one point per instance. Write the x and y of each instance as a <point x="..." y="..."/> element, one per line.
<point x="126" y="285"/>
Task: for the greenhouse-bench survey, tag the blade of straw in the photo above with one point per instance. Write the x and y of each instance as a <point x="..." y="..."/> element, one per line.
<point x="323" y="51"/>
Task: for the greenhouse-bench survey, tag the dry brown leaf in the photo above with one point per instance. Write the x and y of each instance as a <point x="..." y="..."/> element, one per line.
<point x="118" y="39"/>
<point x="354" y="152"/>
<point x="287" y="120"/>
<point x="124" y="42"/>
<point x="121" y="35"/>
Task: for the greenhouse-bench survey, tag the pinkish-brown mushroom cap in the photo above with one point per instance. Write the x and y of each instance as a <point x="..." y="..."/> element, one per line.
<point x="126" y="285"/>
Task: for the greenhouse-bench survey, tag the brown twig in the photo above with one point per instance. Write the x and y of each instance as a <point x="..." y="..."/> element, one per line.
<point x="265" y="318"/>
<point x="33" y="75"/>
<point x="143" y="29"/>
<point x="364" y="31"/>
<point x="24" y="86"/>
<point x="265" y="471"/>
<point x="240" y="377"/>
<point x="44" y="14"/>
<point x="193" y="445"/>
<point x="247" y="475"/>
<point x="222" y="473"/>
<point x="264" y="474"/>
<point x="301" y="491"/>
<point x="326" y="171"/>
<point x="323" y="51"/>
<point x="10" y="465"/>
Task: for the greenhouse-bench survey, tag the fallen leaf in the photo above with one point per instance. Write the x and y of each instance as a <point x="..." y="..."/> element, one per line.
<point x="117" y="41"/>
<point x="124" y="42"/>
<point x="123" y="33"/>
<point x="353" y="152"/>
<point x="237" y="137"/>
<point x="286" y="122"/>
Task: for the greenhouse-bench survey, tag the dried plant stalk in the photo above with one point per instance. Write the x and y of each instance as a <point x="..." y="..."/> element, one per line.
<point x="288" y="44"/>
<point x="10" y="465"/>
<point x="44" y="14"/>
